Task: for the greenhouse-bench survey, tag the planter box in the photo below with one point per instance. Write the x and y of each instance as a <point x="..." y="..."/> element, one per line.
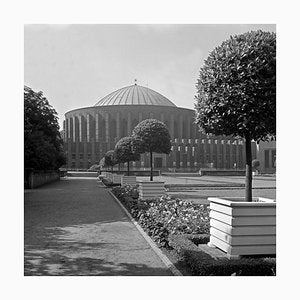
<point x="243" y="228"/>
<point x="151" y="189"/>
<point x="116" y="179"/>
<point x="128" y="180"/>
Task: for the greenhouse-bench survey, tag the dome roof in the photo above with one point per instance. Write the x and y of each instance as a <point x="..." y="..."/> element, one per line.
<point x="134" y="95"/>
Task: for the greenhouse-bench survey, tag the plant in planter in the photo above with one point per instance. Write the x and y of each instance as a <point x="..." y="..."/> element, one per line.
<point x="236" y="95"/>
<point x="151" y="136"/>
<point x="255" y="166"/>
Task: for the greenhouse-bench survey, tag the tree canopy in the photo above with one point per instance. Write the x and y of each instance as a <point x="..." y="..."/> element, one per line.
<point x="109" y="159"/>
<point x="43" y="145"/>
<point x="236" y="89"/>
<point x="124" y="151"/>
<point x="151" y="136"/>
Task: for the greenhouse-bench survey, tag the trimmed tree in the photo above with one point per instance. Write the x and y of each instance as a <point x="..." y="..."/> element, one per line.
<point x="124" y="151"/>
<point x="109" y="159"/>
<point x="151" y="136"/>
<point x="236" y="92"/>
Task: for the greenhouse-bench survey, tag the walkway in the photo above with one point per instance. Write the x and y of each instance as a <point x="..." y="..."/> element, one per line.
<point x="74" y="227"/>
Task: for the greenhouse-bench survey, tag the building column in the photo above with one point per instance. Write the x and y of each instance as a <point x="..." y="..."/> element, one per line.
<point x="69" y="128"/>
<point x="74" y="131"/>
<point x="231" y="162"/>
<point x="237" y="154"/>
<point x="224" y="154"/>
<point x="118" y="126"/>
<point x="172" y="127"/>
<point x="80" y="128"/>
<point x="140" y="117"/>
<point x="162" y="117"/>
<point x="218" y="162"/>
<point x="97" y="127"/>
<point x="88" y="127"/>
<point x="188" y="124"/>
<point x="129" y="124"/>
<point x="106" y="127"/>
<point x="180" y="127"/>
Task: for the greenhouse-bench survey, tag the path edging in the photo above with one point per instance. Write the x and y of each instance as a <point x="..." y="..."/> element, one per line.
<point x="158" y="252"/>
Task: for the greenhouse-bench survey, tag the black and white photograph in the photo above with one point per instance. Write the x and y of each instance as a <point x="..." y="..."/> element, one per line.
<point x="145" y="148"/>
<point x="154" y="147"/>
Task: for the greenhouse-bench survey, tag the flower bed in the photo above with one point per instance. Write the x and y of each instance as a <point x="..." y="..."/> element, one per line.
<point x="203" y="264"/>
<point x="164" y="216"/>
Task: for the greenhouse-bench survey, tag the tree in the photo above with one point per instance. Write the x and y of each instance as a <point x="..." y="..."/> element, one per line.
<point x="43" y="146"/>
<point x="236" y="92"/>
<point x="109" y="159"/>
<point x="151" y="136"/>
<point x="124" y="151"/>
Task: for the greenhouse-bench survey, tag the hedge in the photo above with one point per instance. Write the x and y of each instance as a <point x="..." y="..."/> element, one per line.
<point x="203" y="264"/>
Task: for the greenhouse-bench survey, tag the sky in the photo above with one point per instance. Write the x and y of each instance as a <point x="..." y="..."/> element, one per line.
<point x="77" y="65"/>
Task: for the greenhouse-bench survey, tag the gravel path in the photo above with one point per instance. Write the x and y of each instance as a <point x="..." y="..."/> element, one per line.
<point x="74" y="227"/>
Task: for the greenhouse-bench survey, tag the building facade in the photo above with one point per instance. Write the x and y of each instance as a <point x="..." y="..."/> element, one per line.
<point x="90" y="132"/>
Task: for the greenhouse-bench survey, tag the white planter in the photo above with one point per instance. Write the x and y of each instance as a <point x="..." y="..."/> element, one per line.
<point x="128" y="180"/>
<point x="116" y="179"/>
<point x="243" y="228"/>
<point x="254" y="173"/>
<point x="151" y="189"/>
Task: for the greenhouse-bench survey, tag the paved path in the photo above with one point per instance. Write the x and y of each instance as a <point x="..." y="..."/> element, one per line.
<point x="74" y="227"/>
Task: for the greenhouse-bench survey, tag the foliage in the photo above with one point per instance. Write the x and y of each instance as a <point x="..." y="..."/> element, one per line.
<point x="109" y="159"/>
<point x="124" y="151"/>
<point x="152" y="136"/>
<point x="203" y="264"/>
<point x="236" y="89"/>
<point x="126" y="191"/>
<point x="162" y="217"/>
<point x="43" y="146"/>
<point x="255" y="164"/>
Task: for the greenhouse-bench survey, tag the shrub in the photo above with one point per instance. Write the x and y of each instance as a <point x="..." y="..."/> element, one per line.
<point x="203" y="264"/>
<point x="255" y="164"/>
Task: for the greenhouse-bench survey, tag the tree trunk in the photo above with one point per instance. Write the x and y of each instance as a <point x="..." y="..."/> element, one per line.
<point x="151" y="170"/>
<point x="248" y="182"/>
<point x="128" y="168"/>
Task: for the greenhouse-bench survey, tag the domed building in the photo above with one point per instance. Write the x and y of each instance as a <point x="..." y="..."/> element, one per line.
<point x="90" y="132"/>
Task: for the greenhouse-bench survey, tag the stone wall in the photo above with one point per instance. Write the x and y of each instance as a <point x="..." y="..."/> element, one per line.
<point x="34" y="179"/>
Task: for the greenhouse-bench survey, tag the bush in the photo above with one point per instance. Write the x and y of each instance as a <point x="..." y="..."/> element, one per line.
<point x="255" y="164"/>
<point x="203" y="264"/>
<point x="126" y="191"/>
<point x="162" y="217"/>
